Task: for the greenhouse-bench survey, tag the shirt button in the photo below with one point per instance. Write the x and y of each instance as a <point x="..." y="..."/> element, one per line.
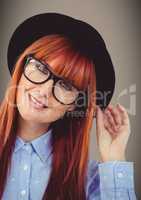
<point x="12" y="179"/>
<point x="104" y="177"/>
<point x="37" y="181"/>
<point x="119" y="194"/>
<point x="23" y="192"/>
<point x="28" y="147"/>
<point x="120" y="175"/>
<point x="25" y="167"/>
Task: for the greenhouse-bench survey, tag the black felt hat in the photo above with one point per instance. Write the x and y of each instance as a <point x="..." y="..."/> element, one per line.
<point x="85" y="37"/>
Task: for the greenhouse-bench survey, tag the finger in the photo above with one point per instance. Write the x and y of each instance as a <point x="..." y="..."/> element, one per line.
<point x="107" y="123"/>
<point x="125" y="118"/>
<point x="108" y="127"/>
<point x="116" y="114"/>
<point x="111" y="120"/>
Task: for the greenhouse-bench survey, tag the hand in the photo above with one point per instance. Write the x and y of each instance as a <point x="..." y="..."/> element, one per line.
<point x="112" y="131"/>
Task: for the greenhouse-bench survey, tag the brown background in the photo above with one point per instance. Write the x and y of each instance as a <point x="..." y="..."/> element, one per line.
<point x="118" y="23"/>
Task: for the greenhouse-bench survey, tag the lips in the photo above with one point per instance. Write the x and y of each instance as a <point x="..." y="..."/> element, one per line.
<point x="37" y="102"/>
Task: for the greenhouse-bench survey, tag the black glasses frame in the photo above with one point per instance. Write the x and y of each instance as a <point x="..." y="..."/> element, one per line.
<point x="51" y="76"/>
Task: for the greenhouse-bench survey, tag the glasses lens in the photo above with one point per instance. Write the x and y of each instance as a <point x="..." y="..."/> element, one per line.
<point x="35" y="71"/>
<point x="65" y="92"/>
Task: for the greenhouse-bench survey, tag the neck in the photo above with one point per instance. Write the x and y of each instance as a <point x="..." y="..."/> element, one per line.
<point x="29" y="130"/>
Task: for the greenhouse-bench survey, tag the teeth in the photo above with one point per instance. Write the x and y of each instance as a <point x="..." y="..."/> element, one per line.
<point x="36" y="102"/>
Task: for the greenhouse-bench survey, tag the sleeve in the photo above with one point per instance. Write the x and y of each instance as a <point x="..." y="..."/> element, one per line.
<point x="111" y="180"/>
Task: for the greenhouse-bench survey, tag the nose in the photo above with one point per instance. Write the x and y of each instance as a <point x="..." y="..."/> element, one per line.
<point x="46" y="88"/>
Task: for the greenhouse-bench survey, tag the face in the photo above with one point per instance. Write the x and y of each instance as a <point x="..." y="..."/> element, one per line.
<point x="31" y="97"/>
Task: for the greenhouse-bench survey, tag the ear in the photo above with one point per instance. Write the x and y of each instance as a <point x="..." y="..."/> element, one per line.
<point x="71" y="107"/>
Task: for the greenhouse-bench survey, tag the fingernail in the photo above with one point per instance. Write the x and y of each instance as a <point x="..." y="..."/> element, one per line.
<point x="120" y="106"/>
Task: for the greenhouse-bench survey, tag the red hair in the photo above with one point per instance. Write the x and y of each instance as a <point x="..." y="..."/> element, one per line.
<point x="70" y="139"/>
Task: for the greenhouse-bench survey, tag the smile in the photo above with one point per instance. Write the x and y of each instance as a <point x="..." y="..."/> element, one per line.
<point x="36" y="103"/>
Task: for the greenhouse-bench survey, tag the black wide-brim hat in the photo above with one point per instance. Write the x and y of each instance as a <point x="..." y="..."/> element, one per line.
<point x="84" y="37"/>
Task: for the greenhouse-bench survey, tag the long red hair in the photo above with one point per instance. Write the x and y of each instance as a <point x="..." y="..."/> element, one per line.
<point x="71" y="134"/>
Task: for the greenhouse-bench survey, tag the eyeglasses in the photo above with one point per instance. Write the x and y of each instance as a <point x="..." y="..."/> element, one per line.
<point x="38" y="73"/>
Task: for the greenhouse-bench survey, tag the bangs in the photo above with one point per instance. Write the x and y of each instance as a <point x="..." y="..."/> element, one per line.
<point x="64" y="60"/>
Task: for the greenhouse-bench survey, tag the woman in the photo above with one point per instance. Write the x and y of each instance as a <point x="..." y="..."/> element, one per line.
<point x="46" y="118"/>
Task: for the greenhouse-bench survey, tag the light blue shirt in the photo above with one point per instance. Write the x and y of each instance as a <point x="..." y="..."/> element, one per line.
<point x="31" y="167"/>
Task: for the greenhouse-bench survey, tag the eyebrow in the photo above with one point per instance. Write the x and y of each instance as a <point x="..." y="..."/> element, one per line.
<point x="46" y="64"/>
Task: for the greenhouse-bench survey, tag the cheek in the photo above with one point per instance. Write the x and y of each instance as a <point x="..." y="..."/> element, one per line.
<point x="21" y="97"/>
<point x="51" y="114"/>
<point x="28" y="113"/>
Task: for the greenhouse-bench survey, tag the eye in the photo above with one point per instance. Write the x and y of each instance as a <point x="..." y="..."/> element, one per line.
<point x="31" y="60"/>
<point x="65" y="85"/>
<point x="42" y="68"/>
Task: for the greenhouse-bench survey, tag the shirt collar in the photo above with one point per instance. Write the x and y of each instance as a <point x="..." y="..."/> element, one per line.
<point x="41" y="145"/>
